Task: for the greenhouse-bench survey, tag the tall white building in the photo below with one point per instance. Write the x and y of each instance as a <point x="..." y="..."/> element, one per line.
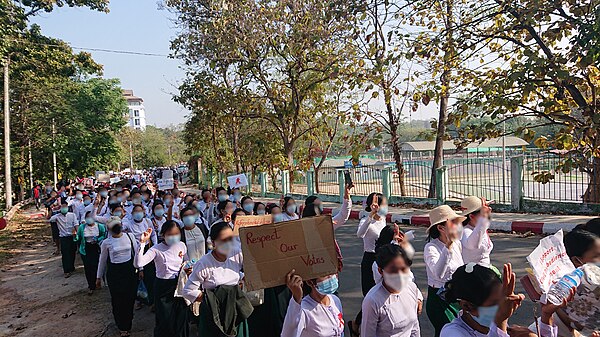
<point x="137" y="112"/>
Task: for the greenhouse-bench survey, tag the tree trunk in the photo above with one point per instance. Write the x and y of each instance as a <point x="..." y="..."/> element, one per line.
<point x="393" y="123"/>
<point x="288" y="148"/>
<point x="592" y="192"/>
<point x="445" y="80"/>
<point x="317" y="190"/>
<point x="236" y="153"/>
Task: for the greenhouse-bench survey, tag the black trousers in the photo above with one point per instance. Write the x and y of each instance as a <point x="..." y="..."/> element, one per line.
<point x="122" y="284"/>
<point x="68" y="249"/>
<point x="149" y="276"/>
<point x="90" y="263"/>
<point x="366" y="272"/>
<point x="171" y="312"/>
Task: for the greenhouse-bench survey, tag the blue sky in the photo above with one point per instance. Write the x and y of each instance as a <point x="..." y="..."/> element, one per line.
<point x="131" y="25"/>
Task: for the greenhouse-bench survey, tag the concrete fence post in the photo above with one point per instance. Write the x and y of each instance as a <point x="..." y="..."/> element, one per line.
<point x="310" y="182"/>
<point x="516" y="182"/>
<point x="220" y="183"/>
<point x="285" y="182"/>
<point x="341" y="183"/>
<point x="441" y="184"/>
<point x="386" y="180"/>
<point x="263" y="184"/>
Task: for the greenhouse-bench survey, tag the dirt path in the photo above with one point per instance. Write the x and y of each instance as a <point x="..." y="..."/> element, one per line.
<point x="35" y="299"/>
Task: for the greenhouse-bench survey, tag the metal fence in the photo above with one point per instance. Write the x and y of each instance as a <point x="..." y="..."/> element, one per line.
<point x="483" y="177"/>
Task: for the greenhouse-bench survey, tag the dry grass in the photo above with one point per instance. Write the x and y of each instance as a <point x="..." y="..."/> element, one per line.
<point x="21" y="231"/>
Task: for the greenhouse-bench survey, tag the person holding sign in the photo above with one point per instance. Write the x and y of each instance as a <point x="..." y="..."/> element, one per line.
<point x="368" y="230"/>
<point x="221" y="267"/>
<point x="390" y="307"/>
<point x="487" y="302"/>
<point x="475" y="241"/>
<point x="171" y="312"/>
<point x="318" y="314"/>
<point x="442" y="256"/>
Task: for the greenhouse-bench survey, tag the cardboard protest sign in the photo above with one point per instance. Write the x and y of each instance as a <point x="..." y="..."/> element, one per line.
<point x="251" y="220"/>
<point x="114" y="180"/>
<point x="271" y="251"/>
<point x="165" y="184"/>
<point x="103" y="178"/>
<point x="237" y="180"/>
<point x="549" y="261"/>
<point x="167" y="174"/>
<point x="98" y="173"/>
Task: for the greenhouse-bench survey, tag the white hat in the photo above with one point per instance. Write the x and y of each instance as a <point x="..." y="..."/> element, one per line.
<point x="441" y="214"/>
<point x="113" y="220"/>
<point x="470" y="204"/>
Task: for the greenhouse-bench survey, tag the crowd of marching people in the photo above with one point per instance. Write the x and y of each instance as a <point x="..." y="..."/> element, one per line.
<point x="181" y="249"/>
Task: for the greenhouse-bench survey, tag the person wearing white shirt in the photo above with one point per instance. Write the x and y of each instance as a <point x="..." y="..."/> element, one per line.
<point x="368" y="230"/>
<point x="442" y="256"/>
<point x="192" y="234"/>
<point x="487" y="302"/>
<point x="318" y="314"/>
<point x="78" y="207"/>
<point x="390" y="307"/>
<point x="475" y="241"/>
<point x="67" y="228"/>
<point x="120" y="273"/>
<point x="158" y="218"/>
<point x="168" y="256"/>
<point x="289" y="209"/>
<point x="172" y="210"/>
<point x="222" y="266"/>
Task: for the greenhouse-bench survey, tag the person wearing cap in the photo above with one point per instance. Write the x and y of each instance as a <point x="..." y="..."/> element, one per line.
<point x="442" y="256"/>
<point x="117" y="254"/>
<point x="475" y="241"/>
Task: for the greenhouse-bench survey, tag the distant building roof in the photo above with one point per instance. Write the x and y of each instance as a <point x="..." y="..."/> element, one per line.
<point x="511" y="141"/>
<point x="129" y="96"/>
<point x="339" y="162"/>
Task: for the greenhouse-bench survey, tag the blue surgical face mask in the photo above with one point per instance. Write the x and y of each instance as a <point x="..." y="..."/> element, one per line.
<point x="291" y="209"/>
<point x="486" y="315"/>
<point x="189" y="220"/>
<point x="320" y="207"/>
<point x="328" y="286"/>
<point x="103" y="194"/>
<point x="237" y="196"/>
<point x="167" y="202"/>
<point x="119" y="199"/>
<point x="199" y="207"/>
<point x="260" y="212"/>
<point x="172" y="239"/>
<point x="222" y="197"/>
<point x="159" y="212"/>
<point x="117" y="213"/>
<point x="89" y="220"/>
<point x="64" y="210"/>
<point x="137" y="201"/>
<point x="278" y="217"/>
<point x="87" y="202"/>
<point x="137" y="216"/>
<point x="248" y="207"/>
<point x="383" y="211"/>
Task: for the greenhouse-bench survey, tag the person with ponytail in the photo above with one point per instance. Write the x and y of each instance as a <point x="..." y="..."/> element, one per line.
<point x="487" y="302"/>
<point x="171" y="312"/>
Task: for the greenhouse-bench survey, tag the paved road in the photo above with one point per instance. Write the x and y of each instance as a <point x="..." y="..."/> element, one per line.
<point x="507" y="248"/>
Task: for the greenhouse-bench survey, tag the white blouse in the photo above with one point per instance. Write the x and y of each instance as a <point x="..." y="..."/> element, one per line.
<point x="137" y="228"/>
<point x="168" y="259"/>
<point x="368" y="230"/>
<point x="441" y="262"/>
<point x="119" y="250"/>
<point x="458" y="328"/>
<point x="313" y="319"/>
<point x="476" y="243"/>
<point x="208" y="273"/>
<point x="391" y="315"/>
<point x="287" y="217"/>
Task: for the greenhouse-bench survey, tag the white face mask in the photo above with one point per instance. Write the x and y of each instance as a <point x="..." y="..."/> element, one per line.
<point x="225" y="248"/>
<point x="396" y="281"/>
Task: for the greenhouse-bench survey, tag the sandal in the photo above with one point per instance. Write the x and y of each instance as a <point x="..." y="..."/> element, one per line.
<point x="125" y="334"/>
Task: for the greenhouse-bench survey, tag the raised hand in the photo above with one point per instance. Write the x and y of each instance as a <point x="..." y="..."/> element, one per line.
<point x="146" y="235"/>
<point x="294" y="283"/>
<point x="510" y="301"/>
<point x="375" y="205"/>
<point x="549" y="308"/>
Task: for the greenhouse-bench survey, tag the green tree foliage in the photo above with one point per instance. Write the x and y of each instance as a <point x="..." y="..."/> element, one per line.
<point x="153" y="147"/>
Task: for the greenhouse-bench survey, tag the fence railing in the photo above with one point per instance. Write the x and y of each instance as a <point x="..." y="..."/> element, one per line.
<point x="507" y="182"/>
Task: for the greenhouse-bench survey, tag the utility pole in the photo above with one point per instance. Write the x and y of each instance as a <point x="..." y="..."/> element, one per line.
<point x="504" y="157"/>
<point x="30" y="164"/>
<point x="130" y="157"/>
<point x="7" y="165"/>
<point x="54" y="153"/>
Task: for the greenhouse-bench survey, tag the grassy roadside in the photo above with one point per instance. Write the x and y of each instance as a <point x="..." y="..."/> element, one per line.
<point x="21" y="231"/>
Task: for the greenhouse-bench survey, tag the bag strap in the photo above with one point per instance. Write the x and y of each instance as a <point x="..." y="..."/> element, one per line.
<point x="132" y="249"/>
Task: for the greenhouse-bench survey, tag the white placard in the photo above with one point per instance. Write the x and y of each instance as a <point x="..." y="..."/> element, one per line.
<point x="237" y="180"/>
<point x="165" y="184"/>
<point x="167" y="174"/>
<point x="114" y="180"/>
<point x="549" y="261"/>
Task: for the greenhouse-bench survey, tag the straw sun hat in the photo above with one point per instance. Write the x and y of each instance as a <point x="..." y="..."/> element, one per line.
<point x="470" y="204"/>
<point x="441" y="214"/>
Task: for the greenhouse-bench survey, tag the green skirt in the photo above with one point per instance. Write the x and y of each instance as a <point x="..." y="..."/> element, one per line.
<point x="206" y="329"/>
<point x="439" y="311"/>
